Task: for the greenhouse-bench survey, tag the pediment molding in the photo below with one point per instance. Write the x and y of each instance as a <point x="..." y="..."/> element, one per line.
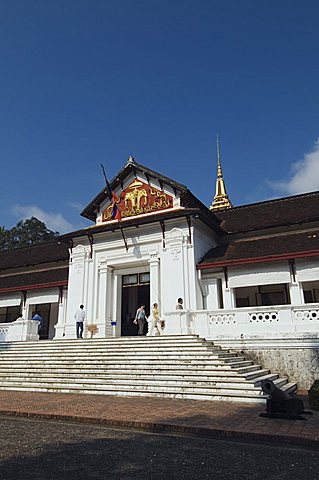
<point x="139" y="198"/>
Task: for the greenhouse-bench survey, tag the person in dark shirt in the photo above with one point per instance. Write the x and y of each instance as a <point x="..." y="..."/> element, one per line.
<point x="179" y="305"/>
<point x="140" y="318"/>
<point x="38" y="319"/>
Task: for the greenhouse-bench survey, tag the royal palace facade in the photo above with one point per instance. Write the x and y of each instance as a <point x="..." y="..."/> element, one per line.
<point x="248" y="275"/>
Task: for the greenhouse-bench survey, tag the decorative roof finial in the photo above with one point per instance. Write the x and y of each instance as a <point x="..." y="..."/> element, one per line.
<point x="219" y="167"/>
<point x="221" y="200"/>
<point x="130" y="159"/>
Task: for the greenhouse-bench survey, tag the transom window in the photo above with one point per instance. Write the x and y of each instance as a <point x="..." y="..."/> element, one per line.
<point x="136" y="279"/>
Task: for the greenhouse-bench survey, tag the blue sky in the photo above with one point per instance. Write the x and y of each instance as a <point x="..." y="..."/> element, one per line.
<point x="90" y="81"/>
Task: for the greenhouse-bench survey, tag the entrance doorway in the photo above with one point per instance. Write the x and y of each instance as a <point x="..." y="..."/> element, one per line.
<point x="44" y="310"/>
<point x="135" y="291"/>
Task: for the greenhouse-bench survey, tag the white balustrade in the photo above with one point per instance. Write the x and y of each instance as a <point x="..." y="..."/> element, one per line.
<point x="19" y="330"/>
<point x="257" y="321"/>
<point x="237" y="323"/>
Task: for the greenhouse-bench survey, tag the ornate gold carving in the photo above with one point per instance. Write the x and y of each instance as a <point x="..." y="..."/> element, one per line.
<point x="139" y="198"/>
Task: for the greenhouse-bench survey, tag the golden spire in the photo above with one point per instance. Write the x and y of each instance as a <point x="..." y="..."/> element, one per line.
<point x="221" y="200"/>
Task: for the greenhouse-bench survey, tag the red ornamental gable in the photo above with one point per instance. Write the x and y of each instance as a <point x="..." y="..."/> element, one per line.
<point x="137" y="199"/>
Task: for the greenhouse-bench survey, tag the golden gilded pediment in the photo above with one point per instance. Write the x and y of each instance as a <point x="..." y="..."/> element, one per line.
<point x="137" y="199"/>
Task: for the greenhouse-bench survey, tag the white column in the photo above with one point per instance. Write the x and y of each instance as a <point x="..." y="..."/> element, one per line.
<point x="296" y="294"/>
<point x="60" y="326"/>
<point x="295" y="288"/>
<point x="24" y="312"/>
<point x="116" y="304"/>
<point x="227" y="296"/>
<point x="76" y="288"/>
<point x="104" y="299"/>
<point x="190" y="274"/>
<point x="155" y="295"/>
<point x="109" y="331"/>
<point x="173" y="281"/>
<point x="212" y="297"/>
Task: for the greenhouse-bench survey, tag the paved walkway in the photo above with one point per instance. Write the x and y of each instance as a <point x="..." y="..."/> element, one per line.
<point x="215" y="419"/>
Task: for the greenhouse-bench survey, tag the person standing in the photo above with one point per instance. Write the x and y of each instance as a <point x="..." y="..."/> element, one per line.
<point x="179" y="305"/>
<point x="79" y="318"/>
<point x="154" y="322"/>
<point x="39" y="319"/>
<point x="140" y="318"/>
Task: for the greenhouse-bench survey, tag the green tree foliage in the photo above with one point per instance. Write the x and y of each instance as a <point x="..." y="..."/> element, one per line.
<point x="26" y="233"/>
<point x="4" y="238"/>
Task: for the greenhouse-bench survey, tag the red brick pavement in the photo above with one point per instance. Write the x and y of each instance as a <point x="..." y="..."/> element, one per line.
<point x="216" y="419"/>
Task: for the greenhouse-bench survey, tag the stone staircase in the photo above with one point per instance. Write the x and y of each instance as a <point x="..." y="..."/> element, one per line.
<point x="168" y="366"/>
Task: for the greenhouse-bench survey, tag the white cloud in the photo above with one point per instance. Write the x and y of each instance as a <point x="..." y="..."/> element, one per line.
<point x="76" y="205"/>
<point x="304" y="175"/>
<point x="54" y="221"/>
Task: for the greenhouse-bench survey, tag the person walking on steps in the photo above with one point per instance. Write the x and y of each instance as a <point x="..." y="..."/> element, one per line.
<point x="154" y="322"/>
<point x="140" y="318"/>
<point x="79" y="318"/>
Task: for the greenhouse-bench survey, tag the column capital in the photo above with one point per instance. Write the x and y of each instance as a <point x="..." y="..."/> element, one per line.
<point x="154" y="258"/>
<point x="103" y="267"/>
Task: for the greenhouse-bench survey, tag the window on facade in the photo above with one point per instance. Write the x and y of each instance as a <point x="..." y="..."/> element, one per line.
<point x="136" y="279"/>
<point x="144" y="278"/>
<point x="311" y="292"/>
<point x="130" y="279"/>
<point x="9" y="314"/>
<point x="261" y="295"/>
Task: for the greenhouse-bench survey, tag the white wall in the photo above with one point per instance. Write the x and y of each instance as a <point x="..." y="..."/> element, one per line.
<point x="10" y="300"/>
<point x="259" y="274"/>
<point x="96" y="282"/>
<point x="307" y="270"/>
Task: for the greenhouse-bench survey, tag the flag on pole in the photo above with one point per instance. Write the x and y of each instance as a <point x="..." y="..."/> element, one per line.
<point x="116" y="214"/>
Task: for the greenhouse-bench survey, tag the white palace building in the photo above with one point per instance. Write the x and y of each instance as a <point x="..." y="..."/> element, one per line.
<point x="248" y="275"/>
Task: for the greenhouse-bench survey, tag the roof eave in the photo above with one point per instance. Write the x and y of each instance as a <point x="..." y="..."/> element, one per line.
<point x="269" y="258"/>
<point x="88" y="211"/>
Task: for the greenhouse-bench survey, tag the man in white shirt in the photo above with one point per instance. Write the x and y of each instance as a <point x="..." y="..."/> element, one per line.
<point x="79" y="318"/>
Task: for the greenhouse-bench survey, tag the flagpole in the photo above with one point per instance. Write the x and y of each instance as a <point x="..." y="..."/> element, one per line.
<point x="123" y="236"/>
<point x="109" y="192"/>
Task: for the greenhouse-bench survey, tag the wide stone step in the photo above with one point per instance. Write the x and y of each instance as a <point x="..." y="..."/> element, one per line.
<point x="126" y="372"/>
<point x="122" y="354"/>
<point x="163" y="381"/>
<point x="269" y="376"/>
<point x="136" y="386"/>
<point x="111" y="343"/>
<point x="191" y="362"/>
<point x="127" y="377"/>
<point x="169" y="364"/>
<point x="222" y="397"/>
<point x="191" y="375"/>
<point x="254" y="374"/>
<point x="115" y="349"/>
<point x="174" y="339"/>
<point x="248" y="368"/>
<point x="289" y="387"/>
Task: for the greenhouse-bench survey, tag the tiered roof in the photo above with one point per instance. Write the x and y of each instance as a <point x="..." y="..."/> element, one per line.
<point x="29" y="268"/>
<point x="285" y="228"/>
